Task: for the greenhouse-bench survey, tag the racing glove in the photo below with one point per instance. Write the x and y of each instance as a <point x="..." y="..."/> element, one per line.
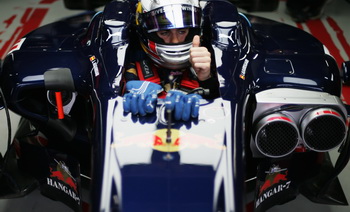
<point x="141" y="98"/>
<point x="184" y="106"/>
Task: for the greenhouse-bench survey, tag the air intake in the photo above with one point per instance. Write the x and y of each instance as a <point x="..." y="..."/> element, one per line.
<point x="323" y="129"/>
<point x="276" y="135"/>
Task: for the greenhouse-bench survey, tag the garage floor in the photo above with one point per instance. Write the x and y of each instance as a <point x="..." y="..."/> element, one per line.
<point x="18" y="17"/>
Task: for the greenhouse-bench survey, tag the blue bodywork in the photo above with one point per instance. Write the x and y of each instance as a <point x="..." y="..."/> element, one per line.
<point x="123" y="161"/>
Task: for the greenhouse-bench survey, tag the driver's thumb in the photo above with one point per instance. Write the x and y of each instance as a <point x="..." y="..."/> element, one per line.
<point x="196" y="41"/>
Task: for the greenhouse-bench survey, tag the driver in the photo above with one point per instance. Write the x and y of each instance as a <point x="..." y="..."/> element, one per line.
<point x="169" y="61"/>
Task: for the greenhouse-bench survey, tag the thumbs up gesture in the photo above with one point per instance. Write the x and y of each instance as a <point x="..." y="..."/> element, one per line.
<point x="200" y="59"/>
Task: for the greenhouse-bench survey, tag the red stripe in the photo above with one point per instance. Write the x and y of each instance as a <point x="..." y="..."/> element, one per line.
<point x="8" y="45"/>
<point x="9" y="21"/>
<point x="139" y="71"/>
<point x="318" y="30"/>
<point x="14" y="46"/>
<point x="300" y="26"/>
<point x="31" y="20"/>
<point x="59" y="105"/>
<point x="279" y="118"/>
<point x="152" y="46"/>
<point x="327" y="112"/>
<point x="47" y="1"/>
<point x="340" y="35"/>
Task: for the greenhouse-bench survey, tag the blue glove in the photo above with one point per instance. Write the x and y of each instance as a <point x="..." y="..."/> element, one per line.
<point x="184" y="106"/>
<point x="141" y="98"/>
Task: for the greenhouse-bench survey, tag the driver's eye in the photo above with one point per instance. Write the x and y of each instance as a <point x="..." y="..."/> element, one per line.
<point x="163" y="33"/>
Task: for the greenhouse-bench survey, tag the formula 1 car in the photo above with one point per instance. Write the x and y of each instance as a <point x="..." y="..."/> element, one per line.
<point x="264" y="141"/>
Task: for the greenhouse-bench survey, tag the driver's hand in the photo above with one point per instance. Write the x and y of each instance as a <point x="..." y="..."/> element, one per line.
<point x="184" y="106"/>
<point x="141" y="98"/>
<point x="200" y="59"/>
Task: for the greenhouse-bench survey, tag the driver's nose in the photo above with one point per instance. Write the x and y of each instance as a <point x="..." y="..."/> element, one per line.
<point x="174" y="37"/>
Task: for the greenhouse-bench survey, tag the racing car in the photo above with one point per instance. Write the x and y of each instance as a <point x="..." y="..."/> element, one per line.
<point x="262" y="142"/>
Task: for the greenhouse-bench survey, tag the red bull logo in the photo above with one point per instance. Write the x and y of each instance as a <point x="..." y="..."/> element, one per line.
<point x="276" y="181"/>
<point x="62" y="180"/>
<point x="181" y="141"/>
<point x="272" y="180"/>
<point x="178" y="141"/>
<point x="64" y="177"/>
<point x="161" y="144"/>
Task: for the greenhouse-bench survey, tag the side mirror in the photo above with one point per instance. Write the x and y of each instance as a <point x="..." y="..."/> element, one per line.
<point x="345" y="72"/>
<point x="58" y="80"/>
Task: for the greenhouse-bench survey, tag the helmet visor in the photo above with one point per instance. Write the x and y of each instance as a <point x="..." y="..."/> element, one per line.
<point x="172" y="17"/>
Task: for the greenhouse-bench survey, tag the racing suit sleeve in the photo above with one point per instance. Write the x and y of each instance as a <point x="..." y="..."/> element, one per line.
<point x="131" y="73"/>
<point x="212" y="84"/>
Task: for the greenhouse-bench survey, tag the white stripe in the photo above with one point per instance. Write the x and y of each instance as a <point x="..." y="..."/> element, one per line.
<point x="228" y="177"/>
<point x="107" y="176"/>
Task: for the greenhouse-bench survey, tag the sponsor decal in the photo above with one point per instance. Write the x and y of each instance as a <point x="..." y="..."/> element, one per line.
<point x="244" y="69"/>
<point x="158" y="141"/>
<point x="181" y="140"/>
<point x="94" y="62"/>
<point x="276" y="181"/>
<point x="177" y="73"/>
<point x="146" y="70"/>
<point x="61" y="179"/>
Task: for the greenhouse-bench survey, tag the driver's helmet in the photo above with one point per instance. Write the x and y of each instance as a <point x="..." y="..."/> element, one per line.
<point x="157" y="15"/>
